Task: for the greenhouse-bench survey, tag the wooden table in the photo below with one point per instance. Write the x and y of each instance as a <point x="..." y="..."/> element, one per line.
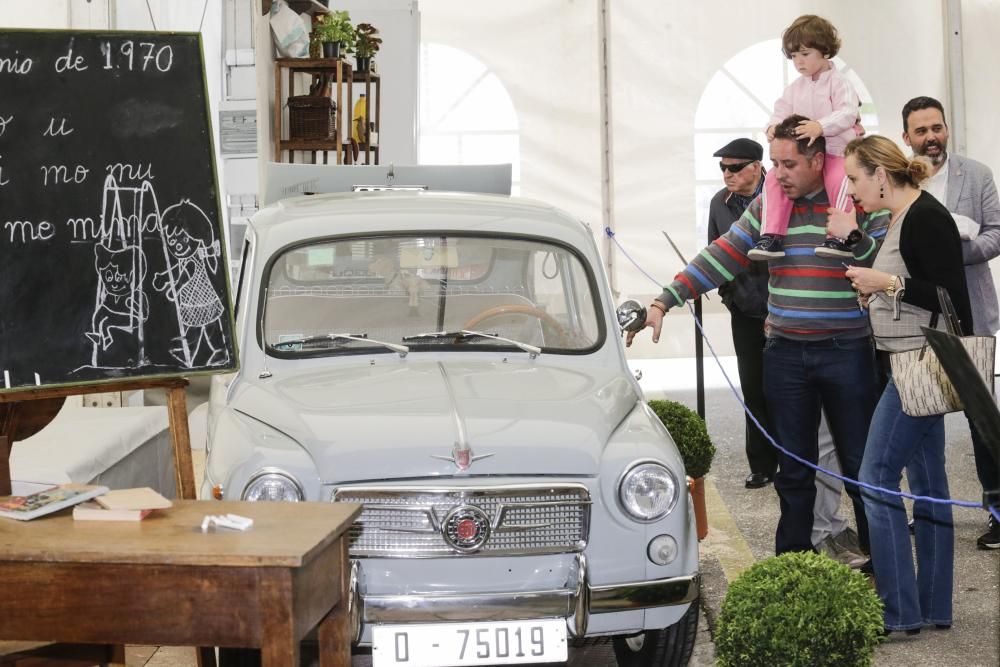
<point x="163" y="581"/>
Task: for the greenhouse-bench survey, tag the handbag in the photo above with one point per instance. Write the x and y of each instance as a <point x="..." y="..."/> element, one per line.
<point x="923" y="386"/>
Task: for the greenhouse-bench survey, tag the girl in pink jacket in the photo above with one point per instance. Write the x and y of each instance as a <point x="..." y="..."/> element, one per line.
<point x="825" y="95"/>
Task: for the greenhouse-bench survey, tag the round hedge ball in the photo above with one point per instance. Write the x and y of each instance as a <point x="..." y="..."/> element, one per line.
<point x="689" y="434"/>
<point x="799" y="610"/>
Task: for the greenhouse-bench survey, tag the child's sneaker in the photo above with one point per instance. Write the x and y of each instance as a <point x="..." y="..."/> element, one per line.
<point x="834" y="248"/>
<point x="768" y="247"/>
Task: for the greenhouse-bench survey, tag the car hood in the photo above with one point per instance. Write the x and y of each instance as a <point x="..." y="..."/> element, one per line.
<point x="413" y="420"/>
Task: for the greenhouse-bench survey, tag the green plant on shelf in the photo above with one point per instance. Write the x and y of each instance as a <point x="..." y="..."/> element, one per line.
<point x="336" y="27"/>
<point x="367" y="42"/>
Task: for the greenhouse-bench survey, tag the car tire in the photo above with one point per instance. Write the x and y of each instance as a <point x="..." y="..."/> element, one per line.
<point x="239" y="657"/>
<point x="669" y="647"/>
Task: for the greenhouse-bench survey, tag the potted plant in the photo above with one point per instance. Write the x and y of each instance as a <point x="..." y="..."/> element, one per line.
<point x="366" y="45"/>
<point x="336" y="33"/>
<point x="696" y="450"/>
<point x="798" y="609"/>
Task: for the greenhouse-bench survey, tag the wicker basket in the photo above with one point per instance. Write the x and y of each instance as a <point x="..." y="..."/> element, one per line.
<point x="311" y="117"/>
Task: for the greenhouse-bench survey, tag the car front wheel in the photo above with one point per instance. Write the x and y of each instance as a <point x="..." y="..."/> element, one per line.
<point x="669" y="647"/>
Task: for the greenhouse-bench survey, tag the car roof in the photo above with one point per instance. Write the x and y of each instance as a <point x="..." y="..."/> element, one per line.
<point x="316" y="216"/>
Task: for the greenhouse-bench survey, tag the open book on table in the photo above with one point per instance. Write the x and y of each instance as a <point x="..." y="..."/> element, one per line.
<point x="24" y="508"/>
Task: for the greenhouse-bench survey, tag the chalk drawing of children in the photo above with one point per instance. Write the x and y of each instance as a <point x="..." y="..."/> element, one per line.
<point x="121" y="303"/>
<point x="192" y="253"/>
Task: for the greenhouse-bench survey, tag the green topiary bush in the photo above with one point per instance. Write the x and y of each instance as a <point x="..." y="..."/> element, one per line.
<point x="690" y="435"/>
<point x="799" y="610"/>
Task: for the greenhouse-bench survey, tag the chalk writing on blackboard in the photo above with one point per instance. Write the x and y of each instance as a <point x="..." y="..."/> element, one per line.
<point x="112" y="260"/>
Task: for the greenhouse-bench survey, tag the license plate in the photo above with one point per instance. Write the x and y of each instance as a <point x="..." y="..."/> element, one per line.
<point x="449" y="644"/>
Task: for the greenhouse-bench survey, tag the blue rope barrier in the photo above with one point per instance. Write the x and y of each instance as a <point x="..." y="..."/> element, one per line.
<point x="847" y="480"/>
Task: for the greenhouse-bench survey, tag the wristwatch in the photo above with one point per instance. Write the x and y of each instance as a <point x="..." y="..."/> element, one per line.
<point x="853" y="237"/>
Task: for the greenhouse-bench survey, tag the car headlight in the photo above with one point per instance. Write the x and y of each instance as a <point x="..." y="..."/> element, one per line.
<point x="648" y="491"/>
<point x="270" y="485"/>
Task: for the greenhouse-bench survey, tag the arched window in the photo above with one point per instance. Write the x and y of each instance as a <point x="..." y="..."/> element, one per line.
<point x="738" y="102"/>
<point x="466" y="114"/>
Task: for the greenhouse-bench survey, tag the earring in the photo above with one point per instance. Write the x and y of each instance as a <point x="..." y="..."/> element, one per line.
<point x="881" y="192"/>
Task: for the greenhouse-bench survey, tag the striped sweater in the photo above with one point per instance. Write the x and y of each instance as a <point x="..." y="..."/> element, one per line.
<point x="809" y="298"/>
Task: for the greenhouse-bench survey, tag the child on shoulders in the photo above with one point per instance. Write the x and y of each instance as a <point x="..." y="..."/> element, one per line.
<point x="825" y="95"/>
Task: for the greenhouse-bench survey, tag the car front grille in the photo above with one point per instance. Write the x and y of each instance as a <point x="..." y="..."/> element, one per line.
<point x="523" y="519"/>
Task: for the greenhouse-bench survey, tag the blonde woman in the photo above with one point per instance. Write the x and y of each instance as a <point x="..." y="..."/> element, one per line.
<point x="921" y="252"/>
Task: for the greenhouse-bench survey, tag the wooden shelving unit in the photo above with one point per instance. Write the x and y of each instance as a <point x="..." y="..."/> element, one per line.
<point x="373" y="84"/>
<point x="284" y="87"/>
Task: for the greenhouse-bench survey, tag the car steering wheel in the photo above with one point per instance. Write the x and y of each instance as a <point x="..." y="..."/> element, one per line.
<point x="520" y="309"/>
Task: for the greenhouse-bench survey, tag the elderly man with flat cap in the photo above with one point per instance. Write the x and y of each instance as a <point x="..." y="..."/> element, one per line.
<point x="746" y="298"/>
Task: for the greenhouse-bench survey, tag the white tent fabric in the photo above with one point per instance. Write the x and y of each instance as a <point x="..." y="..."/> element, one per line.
<point x="662" y="57"/>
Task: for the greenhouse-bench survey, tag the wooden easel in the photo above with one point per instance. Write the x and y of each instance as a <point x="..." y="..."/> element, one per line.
<point x="18" y="412"/>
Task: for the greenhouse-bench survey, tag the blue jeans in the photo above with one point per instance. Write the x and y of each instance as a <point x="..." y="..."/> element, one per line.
<point x="898" y="441"/>
<point x="801" y="377"/>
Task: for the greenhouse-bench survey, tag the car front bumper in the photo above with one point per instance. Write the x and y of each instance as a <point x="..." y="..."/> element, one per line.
<point x="575" y="602"/>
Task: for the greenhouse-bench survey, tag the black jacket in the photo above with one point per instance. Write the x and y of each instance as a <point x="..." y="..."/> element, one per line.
<point x="747" y="293"/>
<point x="932" y="250"/>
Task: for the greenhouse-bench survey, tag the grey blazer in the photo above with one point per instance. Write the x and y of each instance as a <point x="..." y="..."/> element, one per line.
<point x="973" y="193"/>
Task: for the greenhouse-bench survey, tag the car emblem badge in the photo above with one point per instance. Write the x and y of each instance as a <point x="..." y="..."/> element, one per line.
<point x="466" y="528"/>
<point x="462" y="457"/>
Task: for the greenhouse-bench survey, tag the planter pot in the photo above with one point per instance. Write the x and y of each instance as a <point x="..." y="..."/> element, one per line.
<point x="362" y="63"/>
<point x="331" y="49"/>
<point x="697" y="489"/>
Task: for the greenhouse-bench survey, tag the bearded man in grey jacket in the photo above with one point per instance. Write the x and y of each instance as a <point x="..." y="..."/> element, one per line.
<point x="967" y="190"/>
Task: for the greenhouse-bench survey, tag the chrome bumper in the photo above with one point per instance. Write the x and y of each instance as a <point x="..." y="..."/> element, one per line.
<point x="575" y="603"/>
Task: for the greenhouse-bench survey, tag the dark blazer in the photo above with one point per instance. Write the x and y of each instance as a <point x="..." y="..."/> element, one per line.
<point x="932" y="250"/>
<point x="747" y="292"/>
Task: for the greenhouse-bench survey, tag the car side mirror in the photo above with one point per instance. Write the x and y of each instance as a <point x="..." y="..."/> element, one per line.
<point x="631" y="316"/>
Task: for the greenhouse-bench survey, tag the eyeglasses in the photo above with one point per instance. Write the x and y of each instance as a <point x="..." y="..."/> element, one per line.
<point x="733" y="168"/>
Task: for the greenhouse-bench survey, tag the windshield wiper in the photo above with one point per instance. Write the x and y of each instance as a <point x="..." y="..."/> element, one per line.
<point x="465" y="334"/>
<point x="401" y="350"/>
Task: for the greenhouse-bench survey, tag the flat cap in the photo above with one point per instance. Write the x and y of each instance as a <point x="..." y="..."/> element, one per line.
<point x="746" y="149"/>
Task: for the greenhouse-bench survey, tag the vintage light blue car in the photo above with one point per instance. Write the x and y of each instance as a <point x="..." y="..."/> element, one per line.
<point x="454" y="362"/>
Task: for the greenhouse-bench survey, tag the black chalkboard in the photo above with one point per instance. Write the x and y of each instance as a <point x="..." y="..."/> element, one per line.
<point x="112" y="263"/>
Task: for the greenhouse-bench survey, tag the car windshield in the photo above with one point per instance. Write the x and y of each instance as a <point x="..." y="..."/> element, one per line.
<point x="430" y="293"/>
